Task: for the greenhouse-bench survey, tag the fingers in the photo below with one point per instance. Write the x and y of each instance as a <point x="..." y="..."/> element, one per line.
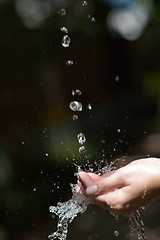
<point x="107" y="183"/>
<point x="94" y="176"/>
<point x="85" y="179"/>
<point x="117" y="201"/>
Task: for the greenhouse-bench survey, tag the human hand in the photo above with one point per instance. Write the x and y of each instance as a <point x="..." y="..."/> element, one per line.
<point x="124" y="190"/>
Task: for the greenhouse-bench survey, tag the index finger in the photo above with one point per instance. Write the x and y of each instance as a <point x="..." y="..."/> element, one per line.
<point x="107" y="183"/>
<point x="85" y="179"/>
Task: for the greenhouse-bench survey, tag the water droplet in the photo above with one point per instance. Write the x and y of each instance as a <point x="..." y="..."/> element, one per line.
<point x="64" y="30"/>
<point x="84" y="3"/>
<point x="23" y="143"/>
<point x="82" y="149"/>
<point x="62" y="12"/>
<point x="116" y="233"/>
<point x="75" y="117"/>
<point x="89" y="106"/>
<point x="81" y="138"/>
<point x="117" y="78"/>
<point x="45" y="129"/>
<point x="119" y="130"/>
<point x="93" y="19"/>
<point x="76" y="92"/>
<point x="47" y="154"/>
<point x="35" y="189"/>
<point x="69" y="62"/>
<point x="66" y="41"/>
<point x="75" y="106"/>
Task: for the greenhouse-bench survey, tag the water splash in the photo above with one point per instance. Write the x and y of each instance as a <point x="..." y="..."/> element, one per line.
<point x="67" y="211"/>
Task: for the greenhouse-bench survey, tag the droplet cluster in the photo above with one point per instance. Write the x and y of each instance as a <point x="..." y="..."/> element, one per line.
<point x="76" y="106"/>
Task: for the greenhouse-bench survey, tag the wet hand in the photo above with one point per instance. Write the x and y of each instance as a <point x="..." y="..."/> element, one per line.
<point x="126" y="189"/>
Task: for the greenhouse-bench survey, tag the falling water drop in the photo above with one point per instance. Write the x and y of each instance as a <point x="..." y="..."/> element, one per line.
<point x="69" y="62"/>
<point x="89" y="106"/>
<point x="84" y="3"/>
<point x="64" y="30"/>
<point x="76" y="92"/>
<point x="62" y="12"/>
<point x="93" y="19"/>
<point x="116" y="233"/>
<point x="82" y="149"/>
<point x="117" y="78"/>
<point x="66" y="41"/>
<point x="35" y="189"/>
<point x="81" y="138"/>
<point x="75" y="106"/>
<point x="75" y="117"/>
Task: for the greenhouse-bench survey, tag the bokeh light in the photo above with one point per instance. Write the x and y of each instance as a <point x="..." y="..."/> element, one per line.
<point x="34" y="12"/>
<point x="129" y="22"/>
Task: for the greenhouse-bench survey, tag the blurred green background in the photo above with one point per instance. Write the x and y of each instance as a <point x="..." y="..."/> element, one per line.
<point x="116" y="65"/>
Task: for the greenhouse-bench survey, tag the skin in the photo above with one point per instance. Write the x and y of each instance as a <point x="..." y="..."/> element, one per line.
<point x="125" y="190"/>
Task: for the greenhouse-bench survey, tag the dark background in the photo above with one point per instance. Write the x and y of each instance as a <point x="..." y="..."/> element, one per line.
<point x="38" y="137"/>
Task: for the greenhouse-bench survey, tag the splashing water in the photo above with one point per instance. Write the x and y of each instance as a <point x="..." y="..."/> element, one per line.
<point x="67" y="211"/>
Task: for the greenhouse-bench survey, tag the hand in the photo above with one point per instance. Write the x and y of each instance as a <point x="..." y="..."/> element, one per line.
<point x="124" y="190"/>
